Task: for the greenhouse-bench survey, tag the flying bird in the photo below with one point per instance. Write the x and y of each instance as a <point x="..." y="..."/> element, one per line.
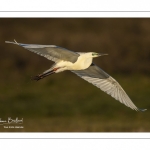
<point x="81" y="64"/>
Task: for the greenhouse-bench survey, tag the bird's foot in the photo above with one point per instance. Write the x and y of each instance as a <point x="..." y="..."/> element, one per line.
<point x="38" y="77"/>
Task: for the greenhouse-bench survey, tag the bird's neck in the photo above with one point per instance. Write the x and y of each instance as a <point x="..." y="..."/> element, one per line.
<point x="82" y="63"/>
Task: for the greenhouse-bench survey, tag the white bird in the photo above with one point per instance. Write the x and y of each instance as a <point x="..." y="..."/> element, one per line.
<point x="80" y="64"/>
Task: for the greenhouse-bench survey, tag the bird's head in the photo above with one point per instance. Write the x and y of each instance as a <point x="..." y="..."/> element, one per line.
<point x="93" y="54"/>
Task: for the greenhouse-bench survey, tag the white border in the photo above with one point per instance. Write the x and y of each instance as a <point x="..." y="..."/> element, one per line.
<point x="77" y="144"/>
<point x="72" y="14"/>
<point x="74" y="135"/>
<point x="75" y="5"/>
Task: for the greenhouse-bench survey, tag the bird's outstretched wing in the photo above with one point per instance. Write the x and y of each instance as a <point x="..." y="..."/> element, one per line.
<point x="106" y="83"/>
<point x="51" y="52"/>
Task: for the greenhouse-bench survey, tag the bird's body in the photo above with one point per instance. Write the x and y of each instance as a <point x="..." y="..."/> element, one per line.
<point x="80" y="64"/>
<point x="83" y="62"/>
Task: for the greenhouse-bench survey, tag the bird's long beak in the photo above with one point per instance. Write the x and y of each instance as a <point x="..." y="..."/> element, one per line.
<point x="101" y="54"/>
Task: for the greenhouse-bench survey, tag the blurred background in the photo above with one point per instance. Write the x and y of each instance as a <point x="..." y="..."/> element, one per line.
<point x="64" y="102"/>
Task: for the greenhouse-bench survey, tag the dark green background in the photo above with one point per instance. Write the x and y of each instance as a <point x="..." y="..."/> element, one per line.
<point x="64" y="102"/>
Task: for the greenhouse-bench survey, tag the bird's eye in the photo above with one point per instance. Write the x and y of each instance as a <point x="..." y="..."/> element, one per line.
<point x="93" y="54"/>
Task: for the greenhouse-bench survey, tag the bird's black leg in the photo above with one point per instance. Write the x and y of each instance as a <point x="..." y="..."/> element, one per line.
<point x="41" y="76"/>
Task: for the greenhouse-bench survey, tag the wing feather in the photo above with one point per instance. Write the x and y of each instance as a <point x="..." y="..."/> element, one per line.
<point x="107" y="84"/>
<point x="51" y="52"/>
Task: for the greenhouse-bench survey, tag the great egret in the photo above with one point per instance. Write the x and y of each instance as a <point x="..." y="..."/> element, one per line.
<point x="80" y="64"/>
